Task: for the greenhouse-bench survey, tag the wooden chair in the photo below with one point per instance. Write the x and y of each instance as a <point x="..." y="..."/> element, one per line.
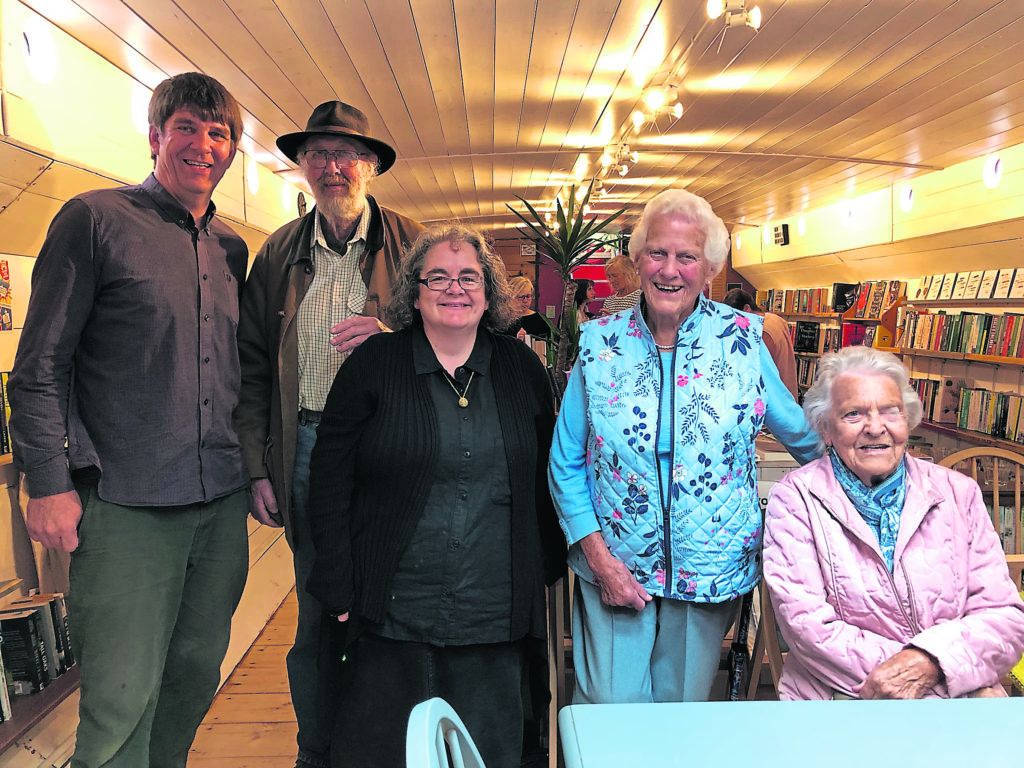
<point x="766" y="646"/>
<point x="998" y="473"/>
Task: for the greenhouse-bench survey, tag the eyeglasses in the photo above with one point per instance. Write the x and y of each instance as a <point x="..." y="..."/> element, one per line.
<point x="525" y="297"/>
<point x="343" y="158"/>
<point x="443" y="282"/>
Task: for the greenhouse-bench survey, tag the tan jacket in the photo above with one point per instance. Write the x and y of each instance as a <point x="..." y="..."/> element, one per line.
<point x="268" y="344"/>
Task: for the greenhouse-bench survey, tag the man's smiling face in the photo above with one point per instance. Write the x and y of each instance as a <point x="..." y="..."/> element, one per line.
<point x="192" y="156"/>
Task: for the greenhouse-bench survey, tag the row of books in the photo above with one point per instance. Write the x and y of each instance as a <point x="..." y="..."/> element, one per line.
<point x="974" y="333"/>
<point x="940" y="398"/>
<point x="35" y="645"/>
<point x="869" y="300"/>
<point x="796" y="301"/>
<point x="950" y="401"/>
<point x="980" y="285"/>
<point x="993" y="413"/>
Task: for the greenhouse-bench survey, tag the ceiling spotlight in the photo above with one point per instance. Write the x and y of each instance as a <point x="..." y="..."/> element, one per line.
<point x="658" y="100"/>
<point x="620" y="159"/>
<point x="736" y="13"/>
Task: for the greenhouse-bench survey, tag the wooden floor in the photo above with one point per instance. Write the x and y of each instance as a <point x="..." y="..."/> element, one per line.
<point x="251" y="723"/>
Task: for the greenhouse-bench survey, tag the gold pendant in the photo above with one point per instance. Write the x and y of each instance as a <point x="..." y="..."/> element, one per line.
<point x="463" y="402"/>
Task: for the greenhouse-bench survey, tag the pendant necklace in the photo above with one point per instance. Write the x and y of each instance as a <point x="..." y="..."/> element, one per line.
<point x="463" y="402"/>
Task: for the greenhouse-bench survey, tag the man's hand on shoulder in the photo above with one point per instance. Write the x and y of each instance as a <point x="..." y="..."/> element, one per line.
<point x="263" y="505"/>
<point x="349" y="334"/>
<point x="53" y="520"/>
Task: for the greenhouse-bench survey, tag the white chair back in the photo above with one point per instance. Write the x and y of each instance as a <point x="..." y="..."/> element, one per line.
<point x="435" y="732"/>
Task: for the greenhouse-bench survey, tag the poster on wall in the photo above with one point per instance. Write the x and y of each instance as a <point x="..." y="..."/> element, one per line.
<point x="6" y="315"/>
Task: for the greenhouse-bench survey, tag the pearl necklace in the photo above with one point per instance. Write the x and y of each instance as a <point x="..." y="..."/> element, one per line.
<point x="665" y="347"/>
<point x="463" y="402"/>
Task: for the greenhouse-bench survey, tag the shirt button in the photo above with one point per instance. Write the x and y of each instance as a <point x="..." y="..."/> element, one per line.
<point x="463" y="495"/>
<point x="206" y="401"/>
<point x="206" y="318"/>
<point x="206" y="359"/>
<point x="466" y="454"/>
<point x="206" y="277"/>
<point x="454" y="544"/>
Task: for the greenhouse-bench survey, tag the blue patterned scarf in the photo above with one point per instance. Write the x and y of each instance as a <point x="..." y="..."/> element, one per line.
<point x="880" y="506"/>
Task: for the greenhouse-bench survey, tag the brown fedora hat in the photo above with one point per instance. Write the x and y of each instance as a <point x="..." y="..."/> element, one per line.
<point x="336" y="118"/>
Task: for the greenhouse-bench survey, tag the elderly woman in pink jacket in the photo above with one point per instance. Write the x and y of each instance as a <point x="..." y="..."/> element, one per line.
<point x="887" y="577"/>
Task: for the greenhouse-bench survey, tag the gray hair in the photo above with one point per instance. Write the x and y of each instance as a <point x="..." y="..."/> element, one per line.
<point x="402" y="309"/>
<point x="678" y="203"/>
<point x="864" y="360"/>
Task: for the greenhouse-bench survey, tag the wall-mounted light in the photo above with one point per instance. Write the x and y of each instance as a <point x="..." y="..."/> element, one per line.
<point x="39" y="49"/>
<point x="992" y="173"/>
<point x="801" y="226"/>
<point x="906" y="198"/>
<point x="767" y="236"/>
<point x="252" y="175"/>
<point x="140" y="108"/>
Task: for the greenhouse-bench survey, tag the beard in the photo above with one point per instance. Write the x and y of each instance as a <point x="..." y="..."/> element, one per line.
<point x="337" y="207"/>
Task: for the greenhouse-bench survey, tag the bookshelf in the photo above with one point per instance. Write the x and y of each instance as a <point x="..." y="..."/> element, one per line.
<point x="28" y="711"/>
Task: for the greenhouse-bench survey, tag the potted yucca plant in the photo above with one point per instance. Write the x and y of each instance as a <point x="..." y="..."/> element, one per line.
<point x="571" y="241"/>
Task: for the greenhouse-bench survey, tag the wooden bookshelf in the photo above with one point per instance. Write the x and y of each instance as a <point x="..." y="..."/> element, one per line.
<point x="1017" y="362"/>
<point x="975" y="438"/>
<point x="28" y="710"/>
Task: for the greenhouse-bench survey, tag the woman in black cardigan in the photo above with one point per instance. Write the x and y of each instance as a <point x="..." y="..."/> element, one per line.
<point x="434" y="530"/>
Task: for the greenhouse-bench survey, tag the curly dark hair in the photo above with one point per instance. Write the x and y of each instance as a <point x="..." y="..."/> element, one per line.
<point x="402" y="310"/>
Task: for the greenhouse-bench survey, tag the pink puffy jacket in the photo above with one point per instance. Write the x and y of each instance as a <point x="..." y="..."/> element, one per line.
<point x="843" y="613"/>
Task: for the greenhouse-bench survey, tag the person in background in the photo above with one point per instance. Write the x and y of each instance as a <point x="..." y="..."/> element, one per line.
<point x="624" y="282"/>
<point x="777" y="336"/>
<point x="122" y="400"/>
<point x="315" y="291"/>
<point x="886" y="575"/>
<point x="434" y="532"/>
<point x="584" y="295"/>
<point x="652" y="467"/>
<point x="527" y="321"/>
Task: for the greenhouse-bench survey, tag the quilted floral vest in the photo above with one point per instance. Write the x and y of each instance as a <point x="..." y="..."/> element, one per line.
<point x="702" y="542"/>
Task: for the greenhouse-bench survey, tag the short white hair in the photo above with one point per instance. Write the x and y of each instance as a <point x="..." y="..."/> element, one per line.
<point x="680" y="204"/>
<point x="864" y="360"/>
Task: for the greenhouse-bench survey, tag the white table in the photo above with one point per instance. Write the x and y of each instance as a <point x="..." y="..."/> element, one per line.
<point x="959" y="733"/>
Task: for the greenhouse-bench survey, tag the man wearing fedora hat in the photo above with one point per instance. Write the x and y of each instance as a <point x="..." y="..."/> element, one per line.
<point x="316" y="291"/>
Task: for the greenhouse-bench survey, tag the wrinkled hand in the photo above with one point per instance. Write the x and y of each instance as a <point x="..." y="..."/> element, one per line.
<point x="908" y="674"/>
<point x="263" y="504"/>
<point x="349" y="334"/>
<point x="53" y="520"/>
<point x="618" y="587"/>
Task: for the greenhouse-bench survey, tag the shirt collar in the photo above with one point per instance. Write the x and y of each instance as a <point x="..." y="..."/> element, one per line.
<point x="358" y="234"/>
<point x="172" y="207"/>
<point x="425" y="361"/>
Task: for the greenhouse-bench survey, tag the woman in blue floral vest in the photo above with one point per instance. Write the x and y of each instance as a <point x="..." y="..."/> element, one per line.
<point x="652" y="468"/>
